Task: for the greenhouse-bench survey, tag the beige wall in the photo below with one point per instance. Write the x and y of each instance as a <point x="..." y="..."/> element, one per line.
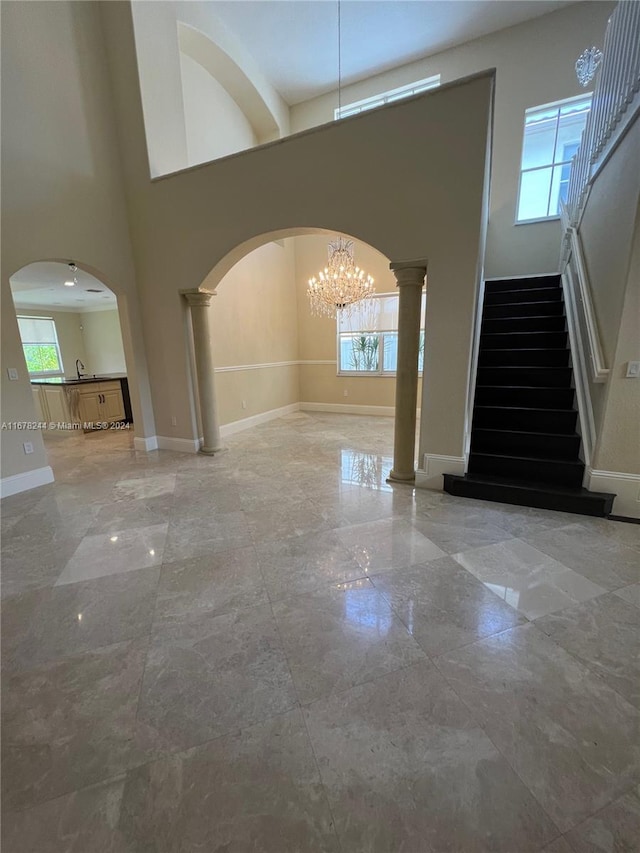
<point x="254" y="322"/>
<point x="70" y="337"/>
<point x="184" y="226"/>
<point x="62" y="192"/>
<point x="214" y="124"/>
<point x="534" y="64"/>
<point x="319" y="383"/>
<point x="618" y="447"/>
<point x="103" y="342"/>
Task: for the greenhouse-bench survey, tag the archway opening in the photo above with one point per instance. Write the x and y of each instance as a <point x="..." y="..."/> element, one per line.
<point x="70" y="329"/>
<point x="274" y="359"/>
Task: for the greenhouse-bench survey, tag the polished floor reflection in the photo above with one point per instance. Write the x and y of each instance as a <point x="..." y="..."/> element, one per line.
<point x="275" y="650"/>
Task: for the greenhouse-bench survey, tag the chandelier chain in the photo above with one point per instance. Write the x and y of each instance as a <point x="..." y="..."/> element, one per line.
<point x="339" y="58"/>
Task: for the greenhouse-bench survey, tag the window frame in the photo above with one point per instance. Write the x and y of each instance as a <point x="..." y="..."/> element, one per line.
<point x="380" y="372"/>
<point x="55" y="342"/>
<point x="559" y="164"/>
<point x="388" y="97"/>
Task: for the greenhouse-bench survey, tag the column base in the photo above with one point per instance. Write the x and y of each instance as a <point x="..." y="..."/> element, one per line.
<point x="212" y="451"/>
<point x="399" y="477"/>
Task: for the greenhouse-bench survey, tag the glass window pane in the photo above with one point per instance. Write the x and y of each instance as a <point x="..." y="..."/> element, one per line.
<point x="360" y="353"/>
<point x="559" y="186"/>
<point x="539" y="138"/>
<point x="534" y="194"/>
<point x="421" y="353"/>
<point x="390" y="355"/>
<point x="570" y="129"/>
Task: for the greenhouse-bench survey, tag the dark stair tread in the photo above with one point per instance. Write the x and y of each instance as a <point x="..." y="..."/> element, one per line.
<point x="519" y="304"/>
<point x="549" y="435"/>
<point x="530" y="493"/>
<point x="523" y="408"/>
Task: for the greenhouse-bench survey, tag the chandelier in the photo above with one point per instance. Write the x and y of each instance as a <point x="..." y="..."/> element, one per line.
<point x="340" y="284"/>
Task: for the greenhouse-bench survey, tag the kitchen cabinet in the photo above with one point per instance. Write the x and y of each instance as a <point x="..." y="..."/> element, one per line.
<point x="101" y="402"/>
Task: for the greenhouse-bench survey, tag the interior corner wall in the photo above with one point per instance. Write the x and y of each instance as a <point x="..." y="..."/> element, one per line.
<point x="255" y="334"/>
<point x="198" y="222"/>
<point x="214" y="124"/>
<point x="534" y="64"/>
<point x="618" y="444"/>
<point x="62" y="191"/>
<point x="103" y="342"/>
<point x="319" y="380"/>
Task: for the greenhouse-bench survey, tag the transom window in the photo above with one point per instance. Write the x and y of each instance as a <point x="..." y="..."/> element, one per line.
<point x="387" y="97"/>
<point x="368" y="337"/>
<point x="551" y="138"/>
<point x="40" y="345"/>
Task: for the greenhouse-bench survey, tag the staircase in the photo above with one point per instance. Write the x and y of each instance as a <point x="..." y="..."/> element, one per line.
<point x="524" y="446"/>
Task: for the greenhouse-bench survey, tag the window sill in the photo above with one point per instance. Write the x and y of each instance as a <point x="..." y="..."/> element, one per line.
<point x="541" y="219"/>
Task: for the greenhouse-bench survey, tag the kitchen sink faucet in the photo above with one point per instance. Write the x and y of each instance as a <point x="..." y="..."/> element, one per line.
<point x="79" y="367"/>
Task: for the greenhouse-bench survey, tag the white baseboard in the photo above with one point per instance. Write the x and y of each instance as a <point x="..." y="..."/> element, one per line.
<point x="145" y="444"/>
<point x="626" y="487"/>
<point x="17" y="483"/>
<point x="430" y="476"/>
<point x="181" y="445"/>
<point x="261" y="418"/>
<point x="347" y="409"/>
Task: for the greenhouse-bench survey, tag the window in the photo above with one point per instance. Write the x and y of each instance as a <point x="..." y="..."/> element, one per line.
<point x="551" y="138"/>
<point x="368" y="337"/>
<point x="387" y="97"/>
<point x="40" y="345"/>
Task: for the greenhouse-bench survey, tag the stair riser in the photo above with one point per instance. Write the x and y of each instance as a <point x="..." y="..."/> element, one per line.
<point x="525" y="420"/>
<point x="523" y="340"/>
<point x="582" y="505"/>
<point x="526" y="444"/>
<point x="524" y="357"/>
<point x="524" y="324"/>
<point x="521" y="283"/>
<point x="550" y="294"/>
<point x="524" y="309"/>
<point x="555" y="473"/>
<point x="539" y="398"/>
<point x="532" y="376"/>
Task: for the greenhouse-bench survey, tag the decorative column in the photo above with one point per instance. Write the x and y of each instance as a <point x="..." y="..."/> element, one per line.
<point x="199" y="302"/>
<point x="410" y="281"/>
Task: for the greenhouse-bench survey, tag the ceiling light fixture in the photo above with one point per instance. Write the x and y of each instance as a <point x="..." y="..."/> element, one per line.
<point x="74" y="270"/>
<point x="341" y="284"/>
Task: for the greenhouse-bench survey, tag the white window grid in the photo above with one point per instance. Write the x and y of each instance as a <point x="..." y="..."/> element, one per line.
<point x="558" y="105"/>
<point x="387" y="97"/>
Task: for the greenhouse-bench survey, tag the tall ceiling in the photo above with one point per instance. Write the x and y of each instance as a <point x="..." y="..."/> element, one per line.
<point x="295" y="42"/>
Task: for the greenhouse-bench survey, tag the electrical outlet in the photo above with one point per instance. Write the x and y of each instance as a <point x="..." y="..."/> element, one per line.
<point x="633" y="370"/>
<point x="28" y="447"/>
<point x="12" y="373"/>
<point x="174" y="421"/>
<point x="345" y="392"/>
<point x="244" y="404"/>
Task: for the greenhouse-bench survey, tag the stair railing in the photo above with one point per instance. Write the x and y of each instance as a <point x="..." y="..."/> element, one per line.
<point x="615" y="102"/>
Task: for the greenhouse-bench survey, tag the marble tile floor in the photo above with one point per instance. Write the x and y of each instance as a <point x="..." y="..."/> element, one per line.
<point x="275" y="650"/>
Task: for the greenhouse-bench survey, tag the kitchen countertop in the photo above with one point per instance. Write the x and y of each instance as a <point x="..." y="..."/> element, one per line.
<point x="62" y="380"/>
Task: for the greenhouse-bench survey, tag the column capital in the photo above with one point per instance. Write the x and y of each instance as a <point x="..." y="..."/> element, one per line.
<point x="198" y="297"/>
<point x="410" y="273"/>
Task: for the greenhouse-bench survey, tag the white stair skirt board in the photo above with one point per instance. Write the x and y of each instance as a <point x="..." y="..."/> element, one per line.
<point x="430" y="476"/>
<point x="626" y="487"/>
<point x="17" y="483"/>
